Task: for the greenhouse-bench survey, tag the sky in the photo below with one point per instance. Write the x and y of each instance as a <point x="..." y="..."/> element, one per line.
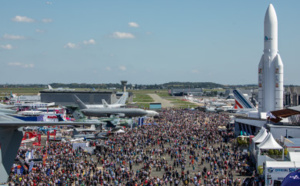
<point x="143" y="42"/>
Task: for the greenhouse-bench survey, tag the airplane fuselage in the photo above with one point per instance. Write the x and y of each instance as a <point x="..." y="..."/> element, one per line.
<point x="129" y="112"/>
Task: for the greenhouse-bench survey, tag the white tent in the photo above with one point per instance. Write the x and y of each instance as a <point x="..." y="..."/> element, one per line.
<point x="260" y="136"/>
<point x="269" y="143"/>
<point x="120" y="131"/>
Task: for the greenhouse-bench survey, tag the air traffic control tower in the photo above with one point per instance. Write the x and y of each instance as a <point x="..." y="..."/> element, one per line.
<point x="124" y="83"/>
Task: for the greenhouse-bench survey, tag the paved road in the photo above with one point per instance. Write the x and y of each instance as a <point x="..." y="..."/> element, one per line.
<point x="164" y="103"/>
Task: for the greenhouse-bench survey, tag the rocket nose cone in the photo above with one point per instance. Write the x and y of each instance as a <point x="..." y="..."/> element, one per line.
<point x="270" y="14"/>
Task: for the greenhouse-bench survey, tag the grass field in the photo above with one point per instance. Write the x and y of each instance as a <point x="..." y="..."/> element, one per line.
<point x="139" y="96"/>
<point x="178" y="103"/>
<point x="20" y="91"/>
<point x="142" y="98"/>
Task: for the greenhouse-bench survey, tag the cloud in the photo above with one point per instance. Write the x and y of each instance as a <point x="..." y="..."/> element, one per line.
<point x="123" y="35"/>
<point x="48" y="3"/>
<point x="13" y="37"/>
<point x="133" y="24"/>
<point x="40" y="31"/>
<point x="195" y="71"/>
<point x="123" y="68"/>
<point x="18" y="64"/>
<point x="71" y="45"/>
<point x="23" y="19"/>
<point x="108" y="68"/>
<point x="47" y="20"/>
<point x="6" y="47"/>
<point x="89" y="42"/>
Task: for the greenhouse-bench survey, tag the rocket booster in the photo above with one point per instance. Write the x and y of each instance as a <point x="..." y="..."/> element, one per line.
<point x="270" y="68"/>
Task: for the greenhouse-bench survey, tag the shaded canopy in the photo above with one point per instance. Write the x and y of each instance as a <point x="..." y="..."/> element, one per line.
<point x="260" y="136"/>
<point x="284" y="113"/>
<point x="269" y="143"/>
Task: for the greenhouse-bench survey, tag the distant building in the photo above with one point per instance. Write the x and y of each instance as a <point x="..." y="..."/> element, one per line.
<point x="65" y="98"/>
<point x="25" y="99"/>
<point x="291" y="96"/>
<point x="186" y="91"/>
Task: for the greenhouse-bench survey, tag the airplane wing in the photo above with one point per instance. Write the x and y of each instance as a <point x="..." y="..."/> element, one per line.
<point x="38" y="123"/>
<point x="11" y="137"/>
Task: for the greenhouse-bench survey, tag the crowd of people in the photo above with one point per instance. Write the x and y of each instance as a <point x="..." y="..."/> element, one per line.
<point x="181" y="147"/>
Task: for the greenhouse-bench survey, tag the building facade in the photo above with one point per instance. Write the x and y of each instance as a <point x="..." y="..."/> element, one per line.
<point x="65" y="98"/>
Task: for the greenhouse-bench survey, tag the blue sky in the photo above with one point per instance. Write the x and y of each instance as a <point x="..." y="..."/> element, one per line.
<point x="144" y="42"/>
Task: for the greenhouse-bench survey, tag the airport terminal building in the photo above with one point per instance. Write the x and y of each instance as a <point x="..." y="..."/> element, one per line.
<point x="65" y="98"/>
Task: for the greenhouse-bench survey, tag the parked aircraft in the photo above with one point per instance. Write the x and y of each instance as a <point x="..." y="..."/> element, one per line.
<point x="92" y="129"/>
<point x="152" y="113"/>
<point x="7" y="111"/>
<point x="107" y="112"/>
<point x="218" y="104"/>
<point x="120" y="103"/>
<point x="242" y="104"/>
<point x="3" y="106"/>
<point x="60" y="89"/>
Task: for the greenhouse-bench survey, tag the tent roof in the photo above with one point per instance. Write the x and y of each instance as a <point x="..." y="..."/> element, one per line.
<point x="260" y="136"/>
<point x="294" y="156"/>
<point x="120" y="131"/>
<point x="269" y="143"/>
<point x="284" y="113"/>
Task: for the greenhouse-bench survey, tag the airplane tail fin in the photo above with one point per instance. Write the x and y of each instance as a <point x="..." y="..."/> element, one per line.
<point x="77" y="114"/>
<point x="105" y="103"/>
<point x="241" y="102"/>
<point x="79" y="102"/>
<point x="75" y="132"/>
<point x="123" y="98"/>
<point x="49" y="87"/>
<point x="93" y="127"/>
<point x="60" y="118"/>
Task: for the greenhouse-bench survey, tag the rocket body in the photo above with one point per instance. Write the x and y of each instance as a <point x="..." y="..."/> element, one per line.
<point x="270" y="68"/>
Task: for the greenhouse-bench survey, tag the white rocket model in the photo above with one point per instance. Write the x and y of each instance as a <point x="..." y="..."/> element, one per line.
<point x="270" y="68"/>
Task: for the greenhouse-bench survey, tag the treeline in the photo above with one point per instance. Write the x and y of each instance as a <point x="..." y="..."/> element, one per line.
<point x="207" y="85"/>
<point x="192" y="85"/>
<point x="119" y="86"/>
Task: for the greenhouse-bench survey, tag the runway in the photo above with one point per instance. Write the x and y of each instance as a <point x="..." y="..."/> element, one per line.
<point x="164" y="103"/>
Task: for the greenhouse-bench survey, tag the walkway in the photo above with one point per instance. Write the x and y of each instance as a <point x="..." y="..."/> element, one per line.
<point x="164" y="102"/>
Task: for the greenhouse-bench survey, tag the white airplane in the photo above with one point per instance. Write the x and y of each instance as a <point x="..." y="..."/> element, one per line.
<point x="210" y="109"/>
<point x="217" y="104"/>
<point x="30" y="113"/>
<point x="242" y="103"/>
<point x="77" y="139"/>
<point x="60" y="89"/>
<point x="120" y="103"/>
<point x="7" y="111"/>
<point x="152" y="113"/>
<point x="92" y="129"/>
<point x="6" y="106"/>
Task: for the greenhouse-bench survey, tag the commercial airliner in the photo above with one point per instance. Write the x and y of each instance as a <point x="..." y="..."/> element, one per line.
<point x="120" y="103"/>
<point x="107" y="112"/>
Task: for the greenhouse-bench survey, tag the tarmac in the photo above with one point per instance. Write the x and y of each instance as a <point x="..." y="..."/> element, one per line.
<point x="164" y="103"/>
